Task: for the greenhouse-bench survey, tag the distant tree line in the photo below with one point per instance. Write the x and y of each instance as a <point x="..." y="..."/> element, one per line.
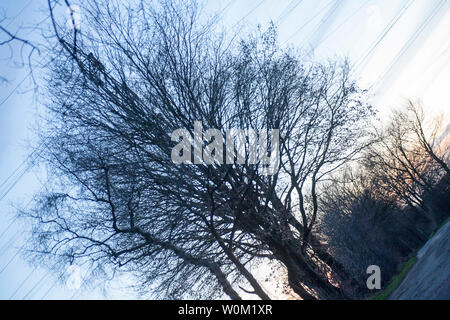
<point x="383" y="210"/>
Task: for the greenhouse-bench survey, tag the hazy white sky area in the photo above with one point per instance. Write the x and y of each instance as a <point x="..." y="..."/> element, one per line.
<point x="399" y="48"/>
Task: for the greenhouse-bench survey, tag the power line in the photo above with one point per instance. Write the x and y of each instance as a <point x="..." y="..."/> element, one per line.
<point x="12" y="92"/>
<point x="324" y="21"/>
<point x="14" y="172"/>
<point x="441" y="69"/>
<point x="9" y="243"/>
<point x="12" y="259"/>
<point x="14" y="180"/>
<point x="23" y="282"/>
<point x="37" y="284"/>
<point x="342" y="23"/>
<point x="386" y="30"/>
<point x="7" y="228"/>
<point x="436" y="76"/>
<point x="287" y="11"/>
<point x="18" y="173"/>
<point x="436" y="59"/>
<point x="411" y="40"/>
<point x="308" y="21"/>
<point x="221" y="12"/>
<point x="19" y="13"/>
<point x="250" y="12"/>
<point x="50" y="288"/>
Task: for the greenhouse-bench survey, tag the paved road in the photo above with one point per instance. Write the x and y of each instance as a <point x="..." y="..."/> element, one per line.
<point x="429" y="278"/>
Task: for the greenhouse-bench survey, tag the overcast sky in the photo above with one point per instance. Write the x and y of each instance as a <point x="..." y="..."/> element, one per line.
<point x="400" y="48"/>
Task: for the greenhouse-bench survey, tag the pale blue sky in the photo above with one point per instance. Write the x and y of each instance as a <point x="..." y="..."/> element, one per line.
<point x="410" y="61"/>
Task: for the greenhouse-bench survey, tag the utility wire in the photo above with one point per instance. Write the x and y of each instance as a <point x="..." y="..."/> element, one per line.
<point x="324" y="21"/>
<point x="388" y="28"/>
<point x="4" y="192"/>
<point x="9" y="243"/>
<point x="38" y="284"/>
<point x="441" y="69"/>
<point x="19" y="172"/>
<point x="221" y="12"/>
<point x="18" y="14"/>
<point x="7" y="228"/>
<point x="250" y="12"/>
<point x="342" y="23"/>
<point x="12" y="259"/>
<point x="23" y="282"/>
<point x="50" y="289"/>
<point x="14" y="90"/>
<point x="287" y="11"/>
<point x="411" y="40"/>
<point x="309" y="21"/>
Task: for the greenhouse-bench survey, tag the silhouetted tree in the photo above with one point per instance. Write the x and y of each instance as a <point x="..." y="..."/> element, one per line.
<point x="122" y="85"/>
<point x="382" y="210"/>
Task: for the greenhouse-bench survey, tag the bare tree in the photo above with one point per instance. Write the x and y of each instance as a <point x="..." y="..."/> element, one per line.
<point x="8" y="38"/>
<point x="430" y="142"/>
<point x="123" y="84"/>
<point x="363" y="226"/>
<point x="382" y="210"/>
<point x="406" y="161"/>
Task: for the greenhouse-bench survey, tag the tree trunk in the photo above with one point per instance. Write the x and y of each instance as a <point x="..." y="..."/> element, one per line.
<point x="299" y="272"/>
<point x="337" y="267"/>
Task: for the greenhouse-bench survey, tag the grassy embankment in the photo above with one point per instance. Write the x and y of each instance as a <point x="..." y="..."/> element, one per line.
<point x="397" y="279"/>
